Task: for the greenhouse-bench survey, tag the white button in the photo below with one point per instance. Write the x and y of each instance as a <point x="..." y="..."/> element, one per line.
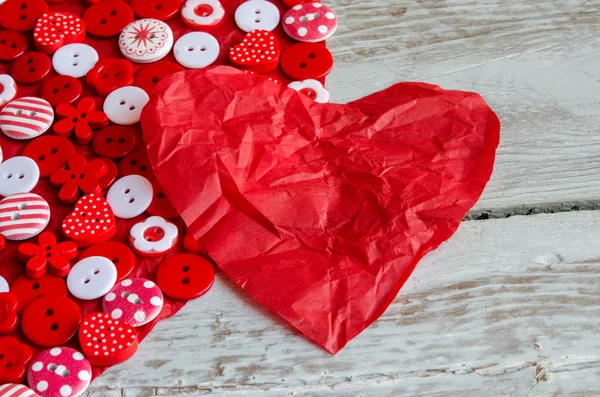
<point x="124" y="105"/>
<point x="130" y="196"/>
<point x="196" y="50"/>
<point x="3" y="285"/>
<point x="146" y="40"/>
<point x="18" y="175"/>
<point x="257" y="14"/>
<point x="8" y="89"/>
<point x="154" y="236"/>
<point x="202" y="13"/>
<point x="26" y="118"/>
<point x="311" y="88"/>
<point x="74" y="60"/>
<point x="92" y="278"/>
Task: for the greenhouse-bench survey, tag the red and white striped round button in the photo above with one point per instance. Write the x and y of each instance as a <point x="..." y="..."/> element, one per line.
<point x="14" y="390"/>
<point x="135" y="301"/>
<point x="23" y="216"/>
<point x="26" y="118"/>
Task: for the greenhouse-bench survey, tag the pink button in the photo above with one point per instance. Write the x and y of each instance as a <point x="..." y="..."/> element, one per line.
<point x="60" y="371"/>
<point x="135" y="301"/>
<point x="310" y="22"/>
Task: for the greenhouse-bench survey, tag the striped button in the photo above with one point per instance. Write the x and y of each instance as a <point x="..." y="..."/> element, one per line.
<point x="13" y="390"/>
<point x="26" y="118"/>
<point x="23" y="216"/>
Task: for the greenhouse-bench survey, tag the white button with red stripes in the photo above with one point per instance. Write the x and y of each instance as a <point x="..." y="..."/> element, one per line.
<point x="26" y="118"/>
<point x="23" y="216"/>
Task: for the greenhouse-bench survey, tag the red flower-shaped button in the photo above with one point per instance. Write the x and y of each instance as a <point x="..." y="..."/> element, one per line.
<point x="107" y="18"/>
<point x="136" y="163"/>
<point x="156" y="9"/>
<point x="80" y="177"/>
<point x="27" y="289"/>
<point x="21" y="15"/>
<point x="307" y="61"/>
<point x="31" y="67"/>
<point x="110" y="74"/>
<point x="114" y="142"/>
<point x="150" y="75"/>
<point x="48" y="255"/>
<point x="61" y="89"/>
<point x="12" y="44"/>
<point x="8" y="313"/>
<point x="14" y="360"/>
<point x="185" y="276"/>
<point x="50" y="153"/>
<point x="81" y="119"/>
<point x="51" y="320"/>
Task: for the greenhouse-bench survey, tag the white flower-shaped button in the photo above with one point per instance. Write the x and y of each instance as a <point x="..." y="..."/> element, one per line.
<point x="134" y="301"/>
<point x="196" y="50"/>
<point x="74" y="60"/>
<point x="18" y="175"/>
<point x="124" y="105"/>
<point x="8" y="89"/>
<point x="146" y="40"/>
<point x="92" y="278"/>
<point x="130" y="196"/>
<point x="311" y="88"/>
<point x="202" y="13"/>
<point x="153" y="237"/>
<point x="257" y="14"/>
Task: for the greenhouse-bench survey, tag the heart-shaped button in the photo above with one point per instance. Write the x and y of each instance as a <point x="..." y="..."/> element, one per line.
<point x="332" y="203"/>
<point x="258" y="51"/>
<point x="106" y="341"/>
<point x="56" y="29"/>
<point x="91" y="221"/>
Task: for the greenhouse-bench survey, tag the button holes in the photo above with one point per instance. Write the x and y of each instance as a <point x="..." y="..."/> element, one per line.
<point x="83" y="115"/>
<point x="96" y="271"/>
<point x="117" y="74"/>
<point x="54" y="326"/>
<point x="65" y="372"/>
<point x="190" y="49"/>
<point x="158" y="6"/>
<point x="154" y="79"/>
<point x="54" y="151"/>
<point x="143" y="168"/>
<point x="96" y="220"/>
<point x="122" y="102"/>
<point x="52" y="367"/>
<point x="136" y="36"/>
<point x="74" y="120"/>
<point x="21" y="176"/>
<point x="86" y="281"/>
<point x="302" y="65"/>
<point x="132" y="107"/>
<point x="127" y="191"/>
<point x="8" y="176"/>
<point x="30" y="60"/>
<point x="131" y="200"/>
<point x="23" y="17"/>
<point x="59" y="31"/>
<point x="115" y="261"/>
<point x="41" y="157"/>
<point x="23" y="6"/>
<point x="310" y="17"/>
<point x="312" y="55"/>
<point x="108" y="140"/>
<point x="35" y="285"/>
<point x="185" y="268"/>
<point x="104" y="76"/>
<point x="121" y="140"/>
<point x="185" y="280"/>
<point x="55" y="91"/>
<point x="113" y="12"/>
<point x="160" y="195"/>
<point x="125" y="294"/>
<point x="72" y="176"/>
<point x="3" y="41"/>
<point x="257" y="20"/>
<point x="49" y="312"/>
<point x="110" y="328"/>
<point x="1" y="356"/>
<point x="47" y="255"/>
<point x="22" y="206"/>
<point x="75" y="63"/>
<point x="137" y="301"/>
<point x="81" y="176"/>
<point x="202" y="48"/>
<point x="13" y="45"/>
<point x="67" y="85"/>
<point x="19" y="112"/>
<point x="82" y="214"/>
<point x="257" y="11"/>
<point x="16" y="217"/>
<point x="151" y="36"/>
<point x="76" y="55"/>
<point x="103" y="21"/>
<point x="8" y="365"/>
<point x="47" y="247"/>
<point x="134" y="162"/>
<point x="32" y="114"/>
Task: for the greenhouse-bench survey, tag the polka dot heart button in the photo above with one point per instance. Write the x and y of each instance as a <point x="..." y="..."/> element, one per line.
<point x="199" y="14"/>
<point x="92" y="221"/>
<point x="153" y="237"/>
<point x="185" y="276"/>
<point x="130" y="196"/>
<point x="60" y="371"/>
<point x="107" y="19"/>
<point x="50" y="153"/>
<point x="119" y="254"/>
<point x="124" y="106"/>
<point x="257" y="14"/>
<point x="31" y="67"/>
<point x="74" y="60"/>
<point x="92" y="278"/>
<point x="12" y="44"/>
<point x="106" y="341"/>
<point x="8" y="89"/>
<point x="21" y="15"/>
<point x="23" y="216"/>
<point x="134" y="301"/>
<point x="26" y="118"/>
<point x="310" y="22"/>
<point x="28" y="290"/>
<point x="146" y="40"/>
<point x="50" y="320"/>
<point x="258" y="52"/>
<point x="56" y="29"/>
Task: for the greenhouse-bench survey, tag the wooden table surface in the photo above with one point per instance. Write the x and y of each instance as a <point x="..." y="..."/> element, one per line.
<point x="509" y="306"/>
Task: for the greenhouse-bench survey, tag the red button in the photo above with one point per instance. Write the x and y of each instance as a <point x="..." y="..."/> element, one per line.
<point x="8" y="313"/>
<point x="114" y="142"/>
<point x="51" y="321"/>
<point x="14" y="360"/>
<point x="21" y="15"/>
<point x="81" y="119"/>
<point x="156" y="9"/>
<point x="306" y="61"/>
<point x="50" y="153"/>
<point x="61" y="89"/>
<point x="117" y="253"/>
<point x="107" y="18"/>
<point x="291" y="3"/>
<point x="150" y="75"/>
<point x="160" y="205"/>
<point x="110" y="74"/>
<point x="27" y="290"/>
<point x="47" y="255"/>
<point x="80" y="178"/>
<point x="185" y="276"/>
<point x="136" y="163"/>
<point x="111" y="174"/>
<point x="193" y="246"/>
<point x="31" y="67"/>
<point x="12" y="44"/>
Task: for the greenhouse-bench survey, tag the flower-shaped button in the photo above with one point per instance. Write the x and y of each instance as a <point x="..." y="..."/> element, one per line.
<point x="81" y="119"/>
<point x="311" y="88"/>
<point x="47" y="255"/>
<point x="110" y="74"/>
<point x="8" y="313"/>
<point x="80" y="176"/>
<point x="14" y="361"/>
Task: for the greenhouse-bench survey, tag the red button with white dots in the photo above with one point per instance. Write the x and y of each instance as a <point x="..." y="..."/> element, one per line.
<point x="31" y="67"/>
<point x="185" y="276"/>
<point x="12" y="44"/>
<point x="21" y="15"/>
<point x="306" y="61"/>
<point x="61" y="89"/>
<point x="107" y="18"/>
<point x="51" y="320"/>
<point x="50" y="153"/>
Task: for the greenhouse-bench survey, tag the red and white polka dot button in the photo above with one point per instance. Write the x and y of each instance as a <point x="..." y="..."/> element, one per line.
<point x="106" y="341"/>
<point x="310" y="22"/>
<point x="134" y="301"/>
<point x="60" y="371"/>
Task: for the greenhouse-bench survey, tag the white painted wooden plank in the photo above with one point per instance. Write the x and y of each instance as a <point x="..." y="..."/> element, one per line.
<point x="502" y="303"/>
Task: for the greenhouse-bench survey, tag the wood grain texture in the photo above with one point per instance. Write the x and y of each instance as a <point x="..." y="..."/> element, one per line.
<point x="505" y="308"/>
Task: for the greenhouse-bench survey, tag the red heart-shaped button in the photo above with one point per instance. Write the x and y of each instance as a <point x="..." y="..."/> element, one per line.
<point x="106" y="341"/>
<point x="259" y="52"/>
<point x="92" y="221"/>
<point x="56" y="29"/>
<point x="319" y="211"/>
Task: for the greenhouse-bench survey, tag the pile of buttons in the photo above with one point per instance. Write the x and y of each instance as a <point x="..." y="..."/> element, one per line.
<point x="93" y="253"/>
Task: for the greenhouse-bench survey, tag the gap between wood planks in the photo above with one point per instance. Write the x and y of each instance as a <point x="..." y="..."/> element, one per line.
<point x="535" y="209"/>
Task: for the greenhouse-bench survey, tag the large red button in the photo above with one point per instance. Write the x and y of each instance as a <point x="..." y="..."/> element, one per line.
<point x="156" y="9"/>
<point x="8" y="313"/>
<point x="51" y="321"/>
<point x="12" y="44"/>
<point x="136" y="163"/>
<point x="185" y="276"/>
<point x="31" y="67"/>
<point x="161" y="205"/>
<point x="61" y="89"/>
<point x="114" y="142"/>
<point x="107" y="18"/>
<point x="50" y="153"/>
<point x="117" y="253"/>
<point x="14" y="361"/>
<point x="150" y="75"/>
<point x="306" y="61"/>
<point x="22" y="15"/>
<point x="110" y="74"/>
<point x="27" y="290"/>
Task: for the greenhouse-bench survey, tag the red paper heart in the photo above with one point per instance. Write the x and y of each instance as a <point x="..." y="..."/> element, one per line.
<point x="92" y="221"/>
<point x="320" y="212"/>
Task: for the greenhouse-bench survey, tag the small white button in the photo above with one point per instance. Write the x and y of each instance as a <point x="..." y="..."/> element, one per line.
<point x="3" y="285"/>
<point x="146" y="40"/>
<point x="257" y="14"/>
<point x="124" y="105"/>
<point x="8" y="89"/>
<point x="92" y="278"/>
<point x="74" y="60"/>
<point x="196" y="50"/>
<point x="130" y="196"/>
<point x="18" y="175"/>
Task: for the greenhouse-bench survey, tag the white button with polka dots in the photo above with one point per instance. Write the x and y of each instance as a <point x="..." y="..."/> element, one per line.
<point x="257" y="14"/>
<point x="92" y="278"/>
<point x="74" y="60"/>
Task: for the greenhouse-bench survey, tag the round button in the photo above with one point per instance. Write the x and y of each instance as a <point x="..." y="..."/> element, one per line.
<point x="157" y="9"/>
<point x="59" y="372"/>
<point x="31" y="67"/>
<point x="74" y="60"/>
<point x="146" y="40"/>
<point x="91" y="222"/>
<point x="130" y="196"/>
<point x="153" y="237"/>
<point x="107" y="19"/>
<point x="124" y="105"/>
<point x="119" y="254"/>
<point x="105" y="341"/>
<point x="50" y="153"/>
<point x="21" y="15"/>
<point x="56" y="29"/>
<point x="135" y="301"/>
<point x="185" y="276"/>
<point x="50" y="320"/>
<point x="306" y="61"/>
<point x="196" y="50"/>
<point x="23" y="216"/>
<point x="110" y="74"/>
<point x="311" y="88"/>
<point x="161" y="206"/>
<point x="26" y="118"/>
<point x="150" y="75"/>
<point x="257" y="14"/>
<point x="12" y="44"/>
<point x="18" y="175"/>
<point x="27" y="290"/>
<point x="310" y="22"/>
<point x="114" y="142"/>
<point x="136" y="163"/>
<point x="111" y="174"/>
<point x="61" y="89"/>
<point x="8" y="89"/>
<point x="92" y="278"/>
<point x="199" y="14"/>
